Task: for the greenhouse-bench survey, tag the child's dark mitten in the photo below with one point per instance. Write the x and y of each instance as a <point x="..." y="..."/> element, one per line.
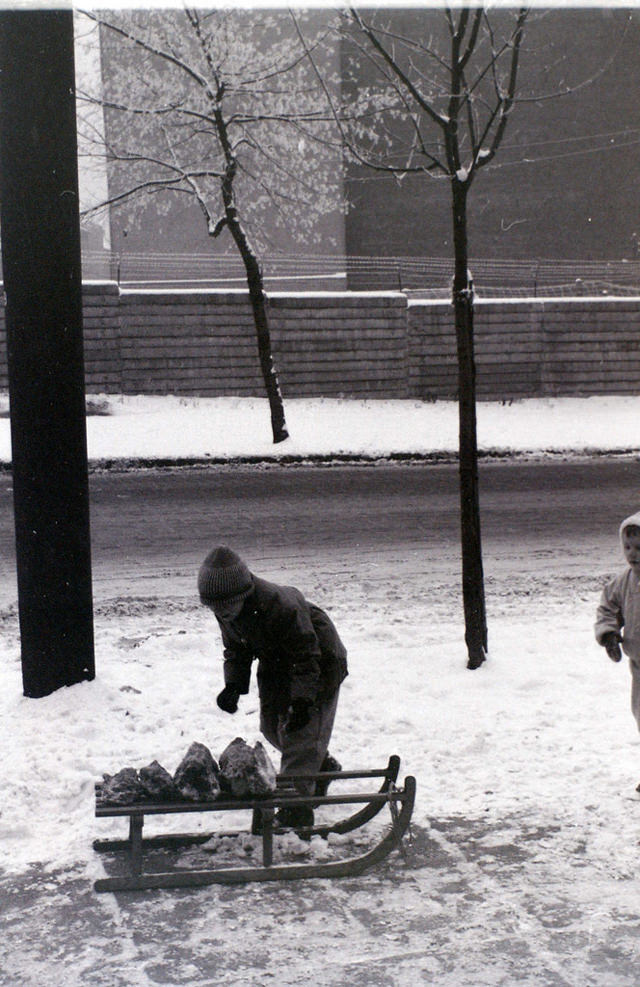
<point x="228" y="699"/>
<point x="611" y="643"/>
<point x="299" y="715"/>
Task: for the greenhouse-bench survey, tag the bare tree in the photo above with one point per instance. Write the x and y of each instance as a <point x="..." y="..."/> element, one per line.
<point x="205" y="105"/>
<point x="437" y="103"/>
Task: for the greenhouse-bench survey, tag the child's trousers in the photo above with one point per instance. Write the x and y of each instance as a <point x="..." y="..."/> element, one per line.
<point x="302" y="751"/>
<point x="635" y="689"/>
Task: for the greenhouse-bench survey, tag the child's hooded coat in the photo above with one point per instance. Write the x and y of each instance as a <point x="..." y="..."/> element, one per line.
<point x="619" y="608"/>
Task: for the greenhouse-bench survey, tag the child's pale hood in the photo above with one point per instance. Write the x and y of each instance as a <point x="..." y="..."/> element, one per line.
<point x="632" y="519"/>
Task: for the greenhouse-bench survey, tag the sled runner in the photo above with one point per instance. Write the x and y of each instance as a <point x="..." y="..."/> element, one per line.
<point x="400" y="802"/>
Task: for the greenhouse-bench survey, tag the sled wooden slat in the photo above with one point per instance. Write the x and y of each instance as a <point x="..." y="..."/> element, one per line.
<point x="283" y="782"/>
<point x="226" y="805"/>
<point x="399" y="800"/>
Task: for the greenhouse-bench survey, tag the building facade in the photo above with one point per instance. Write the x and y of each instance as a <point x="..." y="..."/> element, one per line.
<point x="562" y="187"/>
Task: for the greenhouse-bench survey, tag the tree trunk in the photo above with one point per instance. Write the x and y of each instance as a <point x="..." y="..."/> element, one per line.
<point x="261" y="320"/>
<point x="472" y="572"/>
<point x="258" y="302"/>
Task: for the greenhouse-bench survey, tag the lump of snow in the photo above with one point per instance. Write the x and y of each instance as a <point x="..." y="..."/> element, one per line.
<point x="246" y="771"/>
<point x="158" y="784"/>
<point x="196" y="777"/>
<point x="123" y="788"/>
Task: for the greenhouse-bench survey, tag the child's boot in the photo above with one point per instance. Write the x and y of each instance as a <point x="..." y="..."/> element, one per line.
<point x="329" y="764"/>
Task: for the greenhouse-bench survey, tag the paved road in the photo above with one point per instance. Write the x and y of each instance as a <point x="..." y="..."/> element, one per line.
<point x="151" y="528"/>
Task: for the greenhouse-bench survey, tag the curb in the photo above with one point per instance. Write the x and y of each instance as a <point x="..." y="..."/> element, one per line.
<point x="440" y="458"/>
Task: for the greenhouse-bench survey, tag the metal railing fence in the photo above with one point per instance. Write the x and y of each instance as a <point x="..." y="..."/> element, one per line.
<point x="428" y="277"/>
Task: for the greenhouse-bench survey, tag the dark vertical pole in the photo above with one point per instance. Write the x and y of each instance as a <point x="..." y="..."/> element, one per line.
<point x="42" y="281"/>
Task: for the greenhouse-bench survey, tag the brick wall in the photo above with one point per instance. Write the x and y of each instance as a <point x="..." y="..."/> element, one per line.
<point x="509" y="345"/>
<point x="203" y="343"/>
<point x="591" y="347"/>
<point x="341" y="344"/>
<point x="525" y="348"/>
<point x="101" y="332"/>
<point x="356" y="345"/>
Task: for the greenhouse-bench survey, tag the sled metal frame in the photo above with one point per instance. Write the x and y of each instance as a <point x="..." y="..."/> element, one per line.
<point x="399" y="800"/>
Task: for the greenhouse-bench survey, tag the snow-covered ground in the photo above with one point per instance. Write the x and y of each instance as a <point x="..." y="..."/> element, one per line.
<point x="155" y="428"/>
<point x="523" y="864"/>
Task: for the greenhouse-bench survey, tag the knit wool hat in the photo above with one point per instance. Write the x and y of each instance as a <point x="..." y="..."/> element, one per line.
<point x="222" y="575"/>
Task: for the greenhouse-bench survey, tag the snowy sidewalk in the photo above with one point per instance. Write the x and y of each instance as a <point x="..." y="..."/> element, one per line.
<point x="164" y="429"/>
<point x="522" y="868"/>
<point x="523" y="865"/>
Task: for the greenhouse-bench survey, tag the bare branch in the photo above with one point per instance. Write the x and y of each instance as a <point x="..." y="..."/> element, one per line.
<point x="379" y="47"/>
<point x="473" y="38"/>
<point x="214" y="228"/>
<point x="200" y="80"/>
<point x="433" y="162"/>
<point x="507" y="101"/>
<point x="335" y="115"/>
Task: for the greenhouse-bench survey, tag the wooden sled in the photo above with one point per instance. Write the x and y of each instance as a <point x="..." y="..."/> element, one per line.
<point x="399" y="800"/>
